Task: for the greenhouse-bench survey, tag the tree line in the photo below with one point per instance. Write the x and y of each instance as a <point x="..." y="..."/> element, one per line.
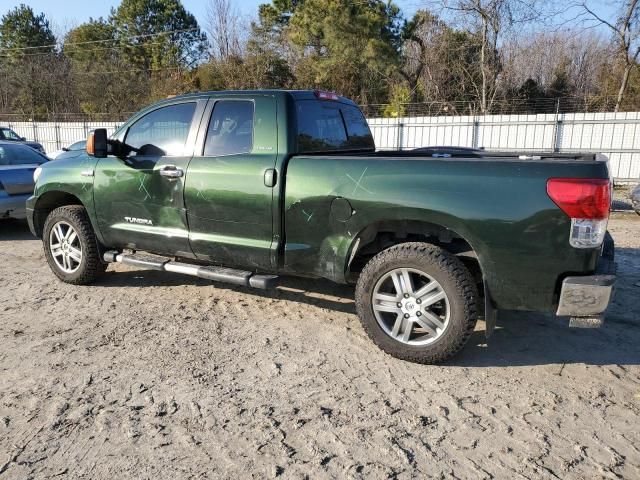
<point x="452" y="56"/>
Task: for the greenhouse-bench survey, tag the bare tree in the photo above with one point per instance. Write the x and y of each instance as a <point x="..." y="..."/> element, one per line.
<point x="540" y="56"/>
<point x="491" y="19"/>
<point x="626" y="36"/>
<point x="226" y="28"/>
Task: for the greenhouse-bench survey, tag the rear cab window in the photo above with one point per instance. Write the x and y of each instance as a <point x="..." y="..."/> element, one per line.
<point x="331" y="126"/>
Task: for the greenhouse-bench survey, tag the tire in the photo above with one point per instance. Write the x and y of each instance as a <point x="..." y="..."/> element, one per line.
<point x="454" y="314"/>
<point x="90" y="266"/>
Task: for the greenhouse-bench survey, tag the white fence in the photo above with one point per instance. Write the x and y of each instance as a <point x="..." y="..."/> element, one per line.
<point x="614" y="134"/>
<point x="55" y="135"/>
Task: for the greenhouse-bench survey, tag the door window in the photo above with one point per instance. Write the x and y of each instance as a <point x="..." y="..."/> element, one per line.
<point x="230" y="128"/>
<point x="19" y="155"/>
<point x="9" y="134"/>
<point x="162" y="132"/>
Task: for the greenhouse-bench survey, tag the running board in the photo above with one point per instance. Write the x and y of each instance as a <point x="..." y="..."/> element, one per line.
<point x="217" y="274"/>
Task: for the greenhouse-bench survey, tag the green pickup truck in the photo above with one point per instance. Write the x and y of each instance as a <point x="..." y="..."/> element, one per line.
<point x="246" y="186"/>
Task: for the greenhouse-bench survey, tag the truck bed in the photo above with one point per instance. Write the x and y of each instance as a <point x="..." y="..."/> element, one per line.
<point x="495" y="201"/>
<point x="469" y="154"/>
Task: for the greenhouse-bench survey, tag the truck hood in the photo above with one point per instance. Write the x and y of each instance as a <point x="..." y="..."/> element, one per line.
<point x="79" y="162"/>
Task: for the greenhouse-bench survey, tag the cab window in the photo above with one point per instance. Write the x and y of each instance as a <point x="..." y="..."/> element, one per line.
<point x="162" y="132"/>
<point x="357" y="128"/>
<point x="326" y="126"/>
<point x="19" y="155"/>
<point x="230" y="129"/>
<point x="9" y="134"/>
<point x="320" y="127"/>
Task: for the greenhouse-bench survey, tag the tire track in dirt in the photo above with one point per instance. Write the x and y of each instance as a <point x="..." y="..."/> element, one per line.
<point x="114" y="381"/>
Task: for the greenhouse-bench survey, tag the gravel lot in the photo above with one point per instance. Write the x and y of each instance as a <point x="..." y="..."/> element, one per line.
<point x="150" y="375"/>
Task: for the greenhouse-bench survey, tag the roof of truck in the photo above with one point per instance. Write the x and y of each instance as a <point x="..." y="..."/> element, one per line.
<point x="296" y="94"/>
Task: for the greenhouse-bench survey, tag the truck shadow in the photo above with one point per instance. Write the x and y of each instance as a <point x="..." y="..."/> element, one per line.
<point x="521" y="338"/>
<point x="524" y="338"/>
<point x="11" y="230"/>
<point x="528" y="339"/>
<point x="320" y="293"/>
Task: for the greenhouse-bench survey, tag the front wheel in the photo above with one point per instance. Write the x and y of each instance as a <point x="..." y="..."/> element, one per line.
<point x="71" y="247"/>
<point x="417" y="302"/>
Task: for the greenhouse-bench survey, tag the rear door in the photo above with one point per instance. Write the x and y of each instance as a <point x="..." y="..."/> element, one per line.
<point x="139" y="201"/>
<point x="17" y="164"/>
<point x="229" y="191"/>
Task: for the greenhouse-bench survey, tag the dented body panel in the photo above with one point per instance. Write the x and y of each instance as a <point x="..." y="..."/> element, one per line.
<point x="499" y="207"/>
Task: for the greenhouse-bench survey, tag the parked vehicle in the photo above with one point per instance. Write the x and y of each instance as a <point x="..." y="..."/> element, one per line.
<point x="8" y="135"/>
<point x="74" y="150"/>
<point x="635" y="199"/>
<point x="242" y="187"/>
<point x="17" y="164"/>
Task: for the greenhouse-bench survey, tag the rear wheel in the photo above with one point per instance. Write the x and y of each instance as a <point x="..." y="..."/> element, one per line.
<point x="71" y="247"/>
<point x="417" y="302"/>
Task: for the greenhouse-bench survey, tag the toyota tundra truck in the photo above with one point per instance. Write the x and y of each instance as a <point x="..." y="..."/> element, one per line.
<point x="245" y="187"/>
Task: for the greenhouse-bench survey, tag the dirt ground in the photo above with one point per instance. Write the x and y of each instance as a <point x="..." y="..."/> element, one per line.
<point x="150" y="375"/>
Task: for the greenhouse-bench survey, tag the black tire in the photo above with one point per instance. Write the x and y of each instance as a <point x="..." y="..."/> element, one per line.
<point x="91" y="266"/>
<point x="454" y="278"/>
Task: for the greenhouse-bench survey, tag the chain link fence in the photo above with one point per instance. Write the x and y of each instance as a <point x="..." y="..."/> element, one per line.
<point x="511" y="106"/>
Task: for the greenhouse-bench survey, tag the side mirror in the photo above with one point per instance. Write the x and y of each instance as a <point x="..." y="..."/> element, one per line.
<point x="97" y="143"/>
<point x="23" y="139"/>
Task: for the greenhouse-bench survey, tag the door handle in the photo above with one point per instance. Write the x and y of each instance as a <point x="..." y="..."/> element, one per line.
<point x="171" y="171"/>
<point x="270" y="177"/>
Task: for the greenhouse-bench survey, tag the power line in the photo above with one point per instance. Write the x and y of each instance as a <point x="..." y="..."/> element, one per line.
<point x="92" y="50"/>
<point x="169" y="32"/>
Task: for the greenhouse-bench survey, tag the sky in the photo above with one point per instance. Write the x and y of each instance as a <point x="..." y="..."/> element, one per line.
<point x="66" y="14"/>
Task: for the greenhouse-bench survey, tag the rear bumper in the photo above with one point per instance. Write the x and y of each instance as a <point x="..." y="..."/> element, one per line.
<point x="585" y="298"/>
<point x="13" y="206"/>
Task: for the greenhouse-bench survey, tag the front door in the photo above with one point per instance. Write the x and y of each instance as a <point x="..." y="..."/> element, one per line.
<point x="229" y="187"/>
<point x="139" y="201"/>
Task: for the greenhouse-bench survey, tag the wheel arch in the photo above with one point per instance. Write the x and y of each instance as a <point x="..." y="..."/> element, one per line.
<point x="380" y="235"/>
<point x="49" y="201"/>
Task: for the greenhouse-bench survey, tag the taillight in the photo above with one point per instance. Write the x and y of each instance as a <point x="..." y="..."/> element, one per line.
<point x="587" y="202"/>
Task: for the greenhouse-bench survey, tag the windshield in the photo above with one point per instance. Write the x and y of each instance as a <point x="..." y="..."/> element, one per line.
<point x="19" y="155"/>
<point x="10" y="134"/>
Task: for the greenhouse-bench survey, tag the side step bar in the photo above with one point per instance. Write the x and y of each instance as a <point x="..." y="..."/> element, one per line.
<point x="217" y="274"/>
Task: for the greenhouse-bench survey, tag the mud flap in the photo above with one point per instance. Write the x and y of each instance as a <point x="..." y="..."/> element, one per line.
<point x="490" y="313"/>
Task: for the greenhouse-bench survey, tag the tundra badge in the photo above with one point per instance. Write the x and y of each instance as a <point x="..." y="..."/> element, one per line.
<point x="141" y="221"/>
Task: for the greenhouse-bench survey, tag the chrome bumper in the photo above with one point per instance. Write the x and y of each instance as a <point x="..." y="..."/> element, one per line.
<point x="585" y="299"/>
